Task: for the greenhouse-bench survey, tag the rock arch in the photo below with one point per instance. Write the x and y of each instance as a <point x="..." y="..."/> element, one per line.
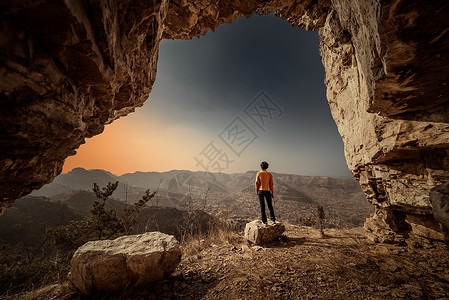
<point x="70" y="67"/>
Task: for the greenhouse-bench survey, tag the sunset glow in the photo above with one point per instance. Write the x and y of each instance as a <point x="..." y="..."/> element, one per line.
<point x="134" y="143"/>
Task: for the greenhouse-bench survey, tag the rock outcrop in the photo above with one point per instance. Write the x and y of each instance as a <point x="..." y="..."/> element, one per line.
<point x="439" y="196"/>
<point x="68" y="68"/>
<point x="126" y="262"/>
<point x="258" y="233"/>
<point x="378" y="58"/>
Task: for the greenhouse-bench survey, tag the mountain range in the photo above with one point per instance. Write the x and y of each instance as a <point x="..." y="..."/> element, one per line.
<point x="225" y="195"/>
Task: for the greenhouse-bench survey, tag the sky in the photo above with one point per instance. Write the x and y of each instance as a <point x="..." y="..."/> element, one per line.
<point x="250" y="91"/>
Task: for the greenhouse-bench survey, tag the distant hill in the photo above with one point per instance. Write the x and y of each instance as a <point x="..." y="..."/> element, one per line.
<point x="185" y="182"/>
<point x="226" y="195"/>
<point x="81" y="201"/>
<point x="77" y="179"/>
<point x="30" y="216"/>
<point x="81" y="179"/>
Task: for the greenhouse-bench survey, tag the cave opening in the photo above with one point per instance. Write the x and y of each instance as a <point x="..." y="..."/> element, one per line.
<point x="206" y="85"/>
<point x="63" y="86"/>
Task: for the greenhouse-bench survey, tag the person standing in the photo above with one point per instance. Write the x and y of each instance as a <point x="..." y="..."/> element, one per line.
<point x="264" y="190"/>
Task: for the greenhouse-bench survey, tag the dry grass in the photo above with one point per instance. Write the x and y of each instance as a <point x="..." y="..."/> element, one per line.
<point x="223" y="235"/>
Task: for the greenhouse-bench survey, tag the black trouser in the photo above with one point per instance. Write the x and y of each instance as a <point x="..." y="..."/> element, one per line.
<point x="267" y="195"/>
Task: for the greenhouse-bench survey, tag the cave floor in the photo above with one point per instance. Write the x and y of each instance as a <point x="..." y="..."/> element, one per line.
<point x="300" y="265"/>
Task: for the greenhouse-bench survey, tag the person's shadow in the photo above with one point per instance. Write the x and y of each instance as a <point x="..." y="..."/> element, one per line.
<point x="286" y="242"/>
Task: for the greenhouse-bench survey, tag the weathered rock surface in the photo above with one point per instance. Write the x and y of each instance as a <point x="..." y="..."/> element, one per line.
<point x="395" y="136"/>
<point x="258" y="233"/>
<point x="386" y="226"/>
<point x="126" y="262"/>
<point x="440" y="204"/>
<point x="68" y="68"/>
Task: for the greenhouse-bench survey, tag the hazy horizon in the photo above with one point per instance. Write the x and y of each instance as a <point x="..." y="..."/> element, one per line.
<point x="260" y="76"/>
<point x="229" y="173"/>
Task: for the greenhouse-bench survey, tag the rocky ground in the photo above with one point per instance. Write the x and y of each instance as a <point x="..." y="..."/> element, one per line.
<point x="301" y="265"/>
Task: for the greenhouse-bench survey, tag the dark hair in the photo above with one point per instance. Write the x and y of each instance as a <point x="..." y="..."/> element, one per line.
<point x="264" y="165"/>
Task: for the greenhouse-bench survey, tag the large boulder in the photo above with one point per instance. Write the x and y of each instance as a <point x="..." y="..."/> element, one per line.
<point x="259" y="233"/>
<point x="126" y="262"/>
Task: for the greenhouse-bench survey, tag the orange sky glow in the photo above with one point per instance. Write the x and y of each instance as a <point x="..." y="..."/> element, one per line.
<point x="135" y="143"/>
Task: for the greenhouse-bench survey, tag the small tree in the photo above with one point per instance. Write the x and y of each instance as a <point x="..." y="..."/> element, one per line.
<point x="105" y="222"/>
<point x="127" y="188"/>
<point x="321" y="216"/>
<point x="102" y="223"/>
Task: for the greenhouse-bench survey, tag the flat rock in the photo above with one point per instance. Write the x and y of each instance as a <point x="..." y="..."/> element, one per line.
<point x="258" y="233"/>
<point x="126" y="262"/>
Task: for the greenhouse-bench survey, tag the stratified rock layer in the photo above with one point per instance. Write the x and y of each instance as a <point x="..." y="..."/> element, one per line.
<point x="259" y="233"/>
<point x="126" y="262"/>
<point x="378" y="58"/>
<point x="70" y="67"/>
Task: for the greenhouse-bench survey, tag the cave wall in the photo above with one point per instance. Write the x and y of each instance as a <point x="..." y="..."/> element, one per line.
<point x="69" y="68"/>
<point x="377" y="60"/>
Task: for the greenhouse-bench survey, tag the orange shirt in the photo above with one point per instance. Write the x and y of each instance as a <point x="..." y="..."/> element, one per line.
<point x="264" y="181"/>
